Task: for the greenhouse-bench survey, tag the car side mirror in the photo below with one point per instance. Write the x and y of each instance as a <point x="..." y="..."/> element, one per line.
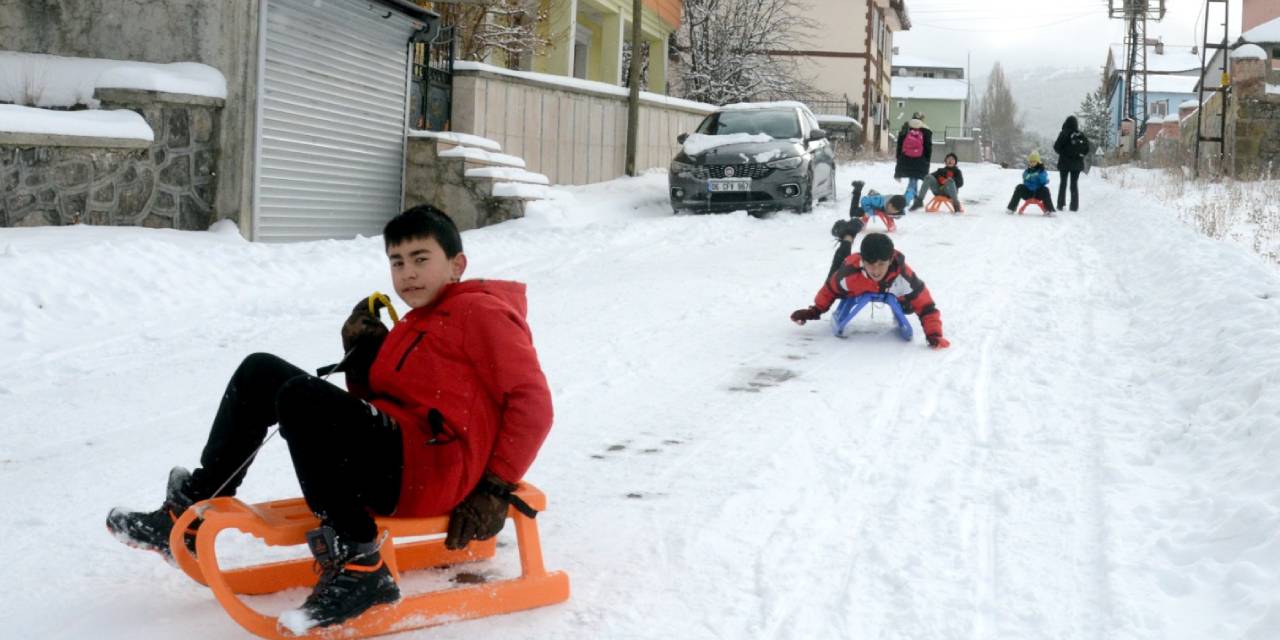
<point x="817" y="134"/>
<point x="681" y="138"/>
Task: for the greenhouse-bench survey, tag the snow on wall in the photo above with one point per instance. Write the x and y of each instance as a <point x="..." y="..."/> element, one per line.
<point x="116" y="123"/>
<point x="578" y="84"/>
<point x="56" y="81"/>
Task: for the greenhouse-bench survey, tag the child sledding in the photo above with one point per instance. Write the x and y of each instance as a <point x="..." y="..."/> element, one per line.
<point x="1034" y="188"/>
<point x="881" y="274"/>
<point x="441" y="417"/>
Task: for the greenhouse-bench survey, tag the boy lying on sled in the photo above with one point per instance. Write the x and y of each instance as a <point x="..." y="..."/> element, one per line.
<point x="878" y="268"/>
<point x="442" y="415"/>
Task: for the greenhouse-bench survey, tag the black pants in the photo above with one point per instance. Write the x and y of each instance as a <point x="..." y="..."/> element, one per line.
<point x="843" y="251"/>
<point x="1074" y="175"/>
<point x="1042" y="194"/>
<point x="347" y="455"/>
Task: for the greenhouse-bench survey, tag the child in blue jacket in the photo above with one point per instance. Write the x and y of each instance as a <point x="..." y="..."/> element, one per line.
<point x="861" y="206"/>
<point x="1035" y="184"/>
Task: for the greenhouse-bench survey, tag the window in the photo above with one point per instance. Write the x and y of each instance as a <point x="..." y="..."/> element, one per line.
<point x="581" y="46"/>
<point x="1160" y="109"/>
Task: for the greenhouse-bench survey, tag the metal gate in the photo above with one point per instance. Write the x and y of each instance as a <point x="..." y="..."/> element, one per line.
<point x="433" y="81"/>
<point x="332" y="111"/>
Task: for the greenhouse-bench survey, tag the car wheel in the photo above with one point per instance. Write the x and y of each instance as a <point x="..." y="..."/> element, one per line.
<point x="806" y="205"/>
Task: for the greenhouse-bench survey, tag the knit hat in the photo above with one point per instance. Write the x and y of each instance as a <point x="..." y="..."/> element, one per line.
<point x="876" y="247"/>
<point x="1033" y="158"/>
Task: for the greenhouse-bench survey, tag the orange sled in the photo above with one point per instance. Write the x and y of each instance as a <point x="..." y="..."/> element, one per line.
<point x="286" y="522"/>
<point x="937" y="202"/>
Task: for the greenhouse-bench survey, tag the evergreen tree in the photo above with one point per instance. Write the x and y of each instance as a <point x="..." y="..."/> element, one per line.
<point x="998" y="117"/>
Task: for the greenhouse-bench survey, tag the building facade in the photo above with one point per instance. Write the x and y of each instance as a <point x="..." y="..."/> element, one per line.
<point x="589" y="37"/>
<point x="937" y="89"/>
<point x="1172" y="74"/>
<point x="850" y="54"/>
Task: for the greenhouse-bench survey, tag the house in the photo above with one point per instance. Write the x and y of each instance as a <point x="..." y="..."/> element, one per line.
<point x="588" y="38"/>
<point x="939" y="90"/>
<point x="849" y="57"/>
<point x="308" y="142"/>
<point x="1172" y="73"/>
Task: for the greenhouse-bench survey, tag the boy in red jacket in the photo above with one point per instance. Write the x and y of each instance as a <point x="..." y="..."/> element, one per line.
<point x="443" y="414"/>
<point x="879" y="268"/>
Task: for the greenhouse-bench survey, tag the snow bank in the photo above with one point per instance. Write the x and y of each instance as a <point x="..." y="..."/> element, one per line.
<point x="120" y="123"/>
<point x="521" y="190"/>
<point x="56" y="81"/>
<point x="698" y="143"/>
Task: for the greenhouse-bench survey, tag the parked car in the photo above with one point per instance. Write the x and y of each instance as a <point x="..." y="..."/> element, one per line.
<point x="754" y="156"/>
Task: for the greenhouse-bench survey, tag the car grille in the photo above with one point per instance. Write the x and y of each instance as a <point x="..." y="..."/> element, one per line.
<point x="752" y="170"/>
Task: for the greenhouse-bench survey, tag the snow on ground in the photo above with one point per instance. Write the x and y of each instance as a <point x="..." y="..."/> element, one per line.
<point x="1093" y="458"/>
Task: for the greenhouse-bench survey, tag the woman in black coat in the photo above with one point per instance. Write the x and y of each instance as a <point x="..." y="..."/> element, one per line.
<point x="910" y="166"/>
<point x="1072" y="147"/>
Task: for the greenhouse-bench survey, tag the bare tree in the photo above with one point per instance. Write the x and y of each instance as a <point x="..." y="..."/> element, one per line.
<point x="739" y="50"/>
<point x="488" y="26"/>
<point x="998" y="117"/>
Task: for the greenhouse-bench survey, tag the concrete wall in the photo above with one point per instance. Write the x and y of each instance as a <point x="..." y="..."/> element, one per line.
<point x="938" y="114"/>
<point x="569" y="134"/>
<point x="221" y="34"/>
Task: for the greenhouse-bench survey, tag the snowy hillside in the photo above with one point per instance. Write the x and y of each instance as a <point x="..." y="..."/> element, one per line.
<point x="1045" y="96"/>
<point x="1094" y="457"/>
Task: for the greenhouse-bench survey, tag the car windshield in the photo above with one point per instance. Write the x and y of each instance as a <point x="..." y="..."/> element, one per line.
<point x="775" y="123"/>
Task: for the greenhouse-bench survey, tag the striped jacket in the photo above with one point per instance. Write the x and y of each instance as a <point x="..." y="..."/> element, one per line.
<point x="901" y="281"/>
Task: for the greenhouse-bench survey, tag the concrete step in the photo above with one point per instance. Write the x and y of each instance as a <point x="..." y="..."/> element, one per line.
<point x="506" y="174"/>
<point x="474" y="157"/>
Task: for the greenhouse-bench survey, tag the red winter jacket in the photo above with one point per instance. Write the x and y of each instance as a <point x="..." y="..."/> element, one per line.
<point x="850" y="280"/>
<point x="462" y="380"/>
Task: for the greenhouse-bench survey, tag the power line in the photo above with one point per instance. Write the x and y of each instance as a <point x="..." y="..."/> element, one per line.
<point x="1008" y="29"/>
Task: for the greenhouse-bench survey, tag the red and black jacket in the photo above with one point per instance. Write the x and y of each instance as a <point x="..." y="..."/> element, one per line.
<point x="851" y="280"/>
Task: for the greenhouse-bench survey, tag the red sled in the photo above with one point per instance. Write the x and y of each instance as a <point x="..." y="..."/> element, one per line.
<point x="889" y="225"/>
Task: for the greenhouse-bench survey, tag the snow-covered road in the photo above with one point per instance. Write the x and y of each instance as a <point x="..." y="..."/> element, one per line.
<point x="1093" y="458"/>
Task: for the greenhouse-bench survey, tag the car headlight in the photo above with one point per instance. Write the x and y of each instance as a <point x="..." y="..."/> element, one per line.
<point x="681" y="167"/>
<point x="786" y="163"/>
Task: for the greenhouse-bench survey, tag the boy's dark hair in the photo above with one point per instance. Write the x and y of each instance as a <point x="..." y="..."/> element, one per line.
<point x="876" y="247"/>
<point x="953" y="156"/>
<point x="898" y="202"/>
<point x="424" y="221"/>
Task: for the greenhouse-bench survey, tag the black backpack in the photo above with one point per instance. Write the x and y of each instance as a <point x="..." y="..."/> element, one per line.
<point x="1078" y="144"/>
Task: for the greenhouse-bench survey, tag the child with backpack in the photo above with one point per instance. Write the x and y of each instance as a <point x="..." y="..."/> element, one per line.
<point x="1072" y="147"/>
<point x="1035" y="184"/>
<point x="879" y="268"/>
<point x="915" y="148"/>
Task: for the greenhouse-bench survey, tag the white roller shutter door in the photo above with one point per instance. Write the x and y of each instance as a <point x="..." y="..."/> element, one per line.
<point x="331" y="119"/>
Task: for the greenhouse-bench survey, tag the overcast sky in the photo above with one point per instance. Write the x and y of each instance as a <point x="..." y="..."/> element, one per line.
<point x="1040" y="33"/>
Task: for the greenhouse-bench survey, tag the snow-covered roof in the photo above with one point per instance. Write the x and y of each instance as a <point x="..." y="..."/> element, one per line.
<point x="918" y="62"/>
<point x="57" y="81"/>
<point x="1268" y="31"/>
<point x="1173" y="117"/>
<point x="1273" y="89"/>
<point x="929" y="88"/>
<point x="1188" y="103"/>
<point x="95" y="123"/>
<point x="1249" y="52"/>
<point x="1174" y="58"/>
<point x="826" y="117"/>
<point x="1171" y="84"/>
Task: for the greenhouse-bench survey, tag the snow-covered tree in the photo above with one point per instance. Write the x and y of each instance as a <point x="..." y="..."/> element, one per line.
<point x="1095" y="117"/>
<point x="737" y="50"/>
<point x="486" y="27"/>
<point x="998" y="117"/>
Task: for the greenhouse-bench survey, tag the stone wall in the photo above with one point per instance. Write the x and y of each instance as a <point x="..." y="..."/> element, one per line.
<point x="222" y="34"/>
<point x="170" y="183"/>
<point x="442" y="182"/>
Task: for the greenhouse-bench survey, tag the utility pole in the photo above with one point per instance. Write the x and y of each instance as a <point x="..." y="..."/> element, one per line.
<point x="633" y="103"/>
<point x="1223" y="89"/>
<point x="1135" y="13"/>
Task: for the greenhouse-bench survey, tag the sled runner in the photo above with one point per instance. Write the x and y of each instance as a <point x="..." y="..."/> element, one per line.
<point x="937" y="202"/>
<point x="286" y="522"/>
<point x="847" y="308"/>
<point x="888" y="222"/>
<point x="1033" y="201"/>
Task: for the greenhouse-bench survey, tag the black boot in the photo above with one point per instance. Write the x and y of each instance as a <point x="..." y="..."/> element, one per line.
<point x="150" y="529"/>
<point x="353" y="578"/>
<point x="917" y="203"/>
<point x="855" y="204"/>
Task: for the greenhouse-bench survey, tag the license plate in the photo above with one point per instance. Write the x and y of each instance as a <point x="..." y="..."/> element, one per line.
<point x="722" y="185"/>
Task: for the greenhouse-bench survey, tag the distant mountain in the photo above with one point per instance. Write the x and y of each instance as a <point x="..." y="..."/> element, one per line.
<point x="1045" y="96"/>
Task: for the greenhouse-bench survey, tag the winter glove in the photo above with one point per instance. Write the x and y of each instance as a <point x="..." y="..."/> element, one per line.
<point x="936" y="341"/>
<point x="801" y="316"/>
<point x="481" y="514"/>
<point x="362" y="336"/>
